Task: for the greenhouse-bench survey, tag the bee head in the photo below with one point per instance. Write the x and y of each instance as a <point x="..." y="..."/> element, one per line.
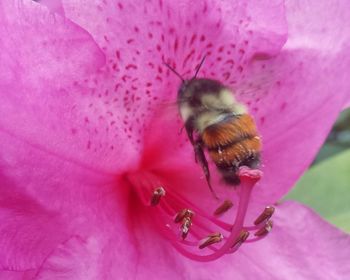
<point x="199" y="95"/>
<point x="202" y="93"/>
<point x="204" y="97"/>
<point x="183" y="90"/>
<point x="181" y="93"/>
<point x="189" y="93"/>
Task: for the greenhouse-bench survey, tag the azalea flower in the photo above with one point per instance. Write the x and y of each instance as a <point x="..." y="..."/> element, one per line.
<point x="94" y="167"/>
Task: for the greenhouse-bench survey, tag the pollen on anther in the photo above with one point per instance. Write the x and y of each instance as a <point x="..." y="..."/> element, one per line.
<point x="243" y="236"/>
<point x="223" y="208"/>
<point x="156" y="196"/>
<point x="264" y="230"/>
<point x="265" y="215"/>
<point x="210" y="240"/>
<point x="185" y="227"/>
<point x="181" y="215"/>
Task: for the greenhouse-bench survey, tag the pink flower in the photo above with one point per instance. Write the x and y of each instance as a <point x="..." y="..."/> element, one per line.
<point x="84" y="144"/>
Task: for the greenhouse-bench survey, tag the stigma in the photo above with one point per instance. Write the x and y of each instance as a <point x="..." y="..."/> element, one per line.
<point x="196" y="232"/>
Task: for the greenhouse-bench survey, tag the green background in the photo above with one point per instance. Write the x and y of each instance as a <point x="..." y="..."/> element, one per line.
<point x="325" y="187"/>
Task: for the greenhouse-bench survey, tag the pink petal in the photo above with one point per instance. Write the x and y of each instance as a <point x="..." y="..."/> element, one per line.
<point x="89" y="254"/>
<point x="296" y="250"/>
<point x="315" y="24"/>
<point x="74" y="259"/>
<point x="54" y="6"/>
<point x="12" y="275"/>
<point x="83" y="116"/>
<point x="28" y="231"/>
<point x="307" y="86"/>
<point x="138" y="37"/>
<point x="302" y="246"/>
<point x="44" y="199"/>
<point x="332" y="36"/>
<point x="37" y="128"/>
<point x="159" y="29"/>
<point x="280" y="91"/>
<point x="71" y="196"/>
<point x="48" y="97"/>
<point x="137" y="45"/>
<point x="295" y="115"/>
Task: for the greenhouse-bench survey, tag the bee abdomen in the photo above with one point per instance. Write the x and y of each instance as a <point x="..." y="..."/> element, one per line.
<point x="237" y="152"/>
<point x="232" y="130"/>
<point x="233" y="143"/>
<point x="230" y="158"/>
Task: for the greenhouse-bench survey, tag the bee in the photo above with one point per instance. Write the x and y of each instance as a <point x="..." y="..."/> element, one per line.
<point x="217" y="123"/>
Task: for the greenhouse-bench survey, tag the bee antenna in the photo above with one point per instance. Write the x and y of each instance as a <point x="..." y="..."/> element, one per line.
<point x="174" y="71"/>
<point x="199" y="67"/>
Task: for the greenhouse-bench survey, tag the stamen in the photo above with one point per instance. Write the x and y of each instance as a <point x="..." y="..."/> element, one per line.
<point x="210" y="240"/>
<point x="248" y="179"/>
<point x="223" y="208"/>
<point x="184" y="213"/>
<point x="264" y="230"/>
<point x="185" y="227"/>
<point x="157" y="195"/>
<point x="265" y="215"/>
<point x="203" y="237"/>
<point x="243" y="236"/>
<point x="200" y="212"/>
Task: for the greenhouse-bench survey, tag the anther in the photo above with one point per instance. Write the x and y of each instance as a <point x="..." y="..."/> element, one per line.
<point x="264" y="230"/>
<point x="185" y="227"/>
<point x="224" y="207"/>
<point x="210" y="240"/>
<point x="184" y="213"/>
<point x="240" y="239"/>
<point x="265" y="215"/>
<point x="156" y="196"/>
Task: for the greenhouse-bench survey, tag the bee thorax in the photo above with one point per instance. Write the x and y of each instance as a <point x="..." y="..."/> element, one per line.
<point x="208" y="118"/>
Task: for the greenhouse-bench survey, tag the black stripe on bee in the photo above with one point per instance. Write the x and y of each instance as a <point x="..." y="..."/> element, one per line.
<point x="231" y="143"/>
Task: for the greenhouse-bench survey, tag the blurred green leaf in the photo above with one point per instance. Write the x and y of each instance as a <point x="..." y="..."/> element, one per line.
<point x="341" y="220"/>
<point x="328" y="150"/>
<point x="338" y="139"/>
<point x="326" y="188"/>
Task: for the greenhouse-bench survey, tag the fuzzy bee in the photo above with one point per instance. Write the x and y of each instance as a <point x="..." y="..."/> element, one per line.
<point x="215" y="121"/>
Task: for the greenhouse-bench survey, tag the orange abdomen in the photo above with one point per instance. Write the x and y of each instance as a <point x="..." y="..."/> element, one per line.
<point x="232" y="143"/>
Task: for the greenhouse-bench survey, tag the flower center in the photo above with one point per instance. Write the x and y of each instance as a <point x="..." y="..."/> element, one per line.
<point x="194" y="232"/>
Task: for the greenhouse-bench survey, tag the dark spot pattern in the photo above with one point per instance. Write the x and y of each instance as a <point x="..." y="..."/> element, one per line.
<point x="135" y="80"/>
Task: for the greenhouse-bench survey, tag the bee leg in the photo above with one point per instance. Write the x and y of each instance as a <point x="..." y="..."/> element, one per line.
<point x="201" y="159"/>
<point x="199" y="153"/>
<point x="189" y="129"/>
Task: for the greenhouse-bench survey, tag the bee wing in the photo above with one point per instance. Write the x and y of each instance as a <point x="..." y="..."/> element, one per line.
<point x="168" y="110"/>
<point x="247" y="88"/>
